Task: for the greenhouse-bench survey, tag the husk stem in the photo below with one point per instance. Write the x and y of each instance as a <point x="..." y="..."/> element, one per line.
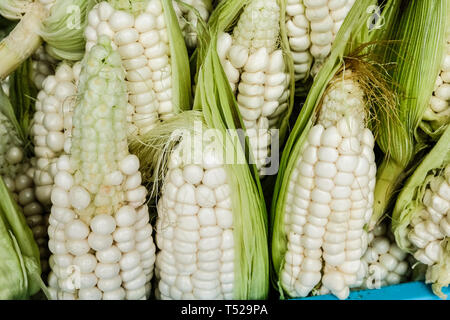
<point x="351" y="37"/>
<point x="418" y="56"/>
<point x="22" y="41"/>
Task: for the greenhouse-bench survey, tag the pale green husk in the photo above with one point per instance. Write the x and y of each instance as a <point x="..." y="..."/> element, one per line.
<point x="409" y="204"/>
<point x="22" y="97"/>
<point x="417" y="58"/>
<point x="63" y="30"/>
<point x="353" y="34"/>
<point x="19" y="254"/>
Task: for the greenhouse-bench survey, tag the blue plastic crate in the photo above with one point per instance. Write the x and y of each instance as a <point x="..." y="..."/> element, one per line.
<point x="405" y="291"/>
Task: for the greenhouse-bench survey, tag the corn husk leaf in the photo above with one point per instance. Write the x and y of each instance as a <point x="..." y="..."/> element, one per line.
<point x="19" y="264"/>
<point x="63" y="29"/>
<point x="181" y="78"/>
<point x="354" y="32"/>
<point x="417" y="55"/>
<point x="8" y="111"/>
<point x="22" y="94"/>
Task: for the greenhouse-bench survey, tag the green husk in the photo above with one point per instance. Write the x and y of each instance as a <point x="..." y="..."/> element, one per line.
<point x="409" y="204"/>
<point x="63" y="29"/>
<point x="22" y="94"/>
<point x="354" y="36"/>
<point x="19" y="254"/>
<point x="181" y="77"/>
<point x="8" y="111"/>
<point x="417" y="56"/>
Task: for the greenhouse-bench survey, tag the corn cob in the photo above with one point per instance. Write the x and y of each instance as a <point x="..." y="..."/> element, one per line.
<point x="43" y="66"/>
<point x="384" y="263"/>
<point x="151" y="54"/>
<point x="311" y="28"/>
<point x="52" y="124"/>
<point x="433" y="224"/>
<point x="99" y="233"/>
<point x="330" y="195"/>
<point x="257" y="73"/>
<point x="195" y="229"/>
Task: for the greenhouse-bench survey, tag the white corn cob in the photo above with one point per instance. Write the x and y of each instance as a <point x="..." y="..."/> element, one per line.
<point x="256" y="71"/>
<point x="330" y="196"/>
<point x="384" y="263"/>
<point x="43" y="66"/>
<point x="440" y="101"/>
<point x="17" y="172"/>
<point x="432" y="225"/>
<point x="143" y="44"/>
<point x="311" y="27"/>
<point x="52" y="125"/>
<point x="194" y="230"/>
<point x="99" y="230"/>
<point x="188" y="19"/>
